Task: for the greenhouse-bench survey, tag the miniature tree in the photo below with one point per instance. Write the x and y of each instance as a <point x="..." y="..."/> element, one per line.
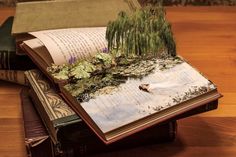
<point x="145" y="33"/>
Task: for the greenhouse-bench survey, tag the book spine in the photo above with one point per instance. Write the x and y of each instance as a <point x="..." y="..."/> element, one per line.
<point x="4" y="55"/>
<point x="15" y="76"/>
<point x="10" y="61"/>
<point x="37" y="140"/>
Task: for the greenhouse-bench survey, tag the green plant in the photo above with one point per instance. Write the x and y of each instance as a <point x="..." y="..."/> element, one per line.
<point x="145" y="33"/>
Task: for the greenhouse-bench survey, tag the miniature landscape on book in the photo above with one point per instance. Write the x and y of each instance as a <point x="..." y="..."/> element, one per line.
<point x="134" y="43"/>
<point x="136" y="75"/>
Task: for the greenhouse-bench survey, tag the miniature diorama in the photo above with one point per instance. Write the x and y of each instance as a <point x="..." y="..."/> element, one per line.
<point x="136" y="46"/>
<point x="134" y="43"/>
<point x="136" y="75"/>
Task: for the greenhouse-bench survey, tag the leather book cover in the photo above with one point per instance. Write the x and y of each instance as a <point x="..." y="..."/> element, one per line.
<point x="55" y="113"/>
<point x="8" y="58"/>
<point x="37" y="140"/>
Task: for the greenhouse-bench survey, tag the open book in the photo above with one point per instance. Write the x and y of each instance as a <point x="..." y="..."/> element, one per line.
<point x="136" y="84"/>
<point x="127" y="109"/>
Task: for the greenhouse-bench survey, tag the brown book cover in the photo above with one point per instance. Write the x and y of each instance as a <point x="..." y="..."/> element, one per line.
<point x="37" y="140"/>
<point x="14" y="76"/>
<point x="74" y="142"/>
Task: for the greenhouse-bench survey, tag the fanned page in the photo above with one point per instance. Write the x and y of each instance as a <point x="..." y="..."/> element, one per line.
<point x="69" y="44"/>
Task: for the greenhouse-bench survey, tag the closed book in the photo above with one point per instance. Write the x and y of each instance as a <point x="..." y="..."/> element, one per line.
<point x="37" y="140"/>
<point x="8" y="58"/>
<point x="76" y="140"/>
<point x="14" y="76"/>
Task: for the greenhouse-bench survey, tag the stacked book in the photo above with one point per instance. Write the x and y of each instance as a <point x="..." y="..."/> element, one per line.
<point x="12" y="66"/>
<point x="88" y="90"/>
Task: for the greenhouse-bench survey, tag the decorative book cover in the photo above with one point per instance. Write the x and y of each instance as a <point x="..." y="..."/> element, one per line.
<point x="55" y="113"/>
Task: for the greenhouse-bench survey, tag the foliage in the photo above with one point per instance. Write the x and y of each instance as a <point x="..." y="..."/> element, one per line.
<point x="87" y="76"/>
<point x="60" y="72"/>
<point x="81" y="70"/>
<point x="145" y="33"/>
<point x="104" y="58"/>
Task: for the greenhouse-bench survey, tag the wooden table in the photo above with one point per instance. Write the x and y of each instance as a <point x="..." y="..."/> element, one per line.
<point x="206" y="37"/>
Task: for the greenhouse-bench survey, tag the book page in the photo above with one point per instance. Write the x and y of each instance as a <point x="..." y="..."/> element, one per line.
<point x="128" y="103"/>
<point x="65" y="45"/>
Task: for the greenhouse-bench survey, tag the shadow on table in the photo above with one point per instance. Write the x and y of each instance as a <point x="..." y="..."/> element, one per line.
<point x="196" y="132"/>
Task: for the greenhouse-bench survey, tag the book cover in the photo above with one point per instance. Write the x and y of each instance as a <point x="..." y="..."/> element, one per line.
<point x="37" y="140"/>
<point x="55" y="113"/>
<point x="14" y="76"/>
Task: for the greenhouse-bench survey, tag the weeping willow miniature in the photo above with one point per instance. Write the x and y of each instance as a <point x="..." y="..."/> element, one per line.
<point x="146" y="33"/>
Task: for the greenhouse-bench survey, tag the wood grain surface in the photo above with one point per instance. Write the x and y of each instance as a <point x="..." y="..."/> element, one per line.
<point x="206" y="37"/>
